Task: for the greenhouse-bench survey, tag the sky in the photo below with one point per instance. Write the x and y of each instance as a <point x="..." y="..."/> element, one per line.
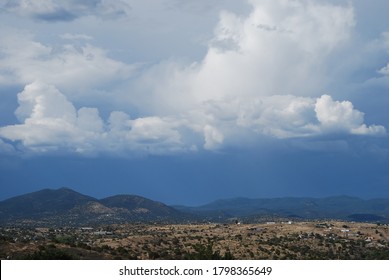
<point x="185" y="102"/>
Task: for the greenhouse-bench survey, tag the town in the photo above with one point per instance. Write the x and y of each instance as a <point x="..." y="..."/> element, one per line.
<point x="268" y="240"/>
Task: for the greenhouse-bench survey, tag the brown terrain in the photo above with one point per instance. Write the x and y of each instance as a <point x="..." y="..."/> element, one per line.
<point x="271" y="240"/>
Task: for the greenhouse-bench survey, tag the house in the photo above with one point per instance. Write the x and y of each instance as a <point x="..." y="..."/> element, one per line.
<point x="86" y="229"/>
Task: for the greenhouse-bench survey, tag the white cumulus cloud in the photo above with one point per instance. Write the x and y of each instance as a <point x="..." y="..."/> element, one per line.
<point x="341" y="116"/>
<point x="49" y="122"/>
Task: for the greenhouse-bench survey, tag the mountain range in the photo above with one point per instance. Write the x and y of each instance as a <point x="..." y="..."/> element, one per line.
<point x="66" y="207"/>
<point x="336" y="207"/>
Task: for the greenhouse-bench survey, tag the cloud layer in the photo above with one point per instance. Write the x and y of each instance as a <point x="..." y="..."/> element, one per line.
<point x="49" y="122"/>
<point x="264" y="74"/>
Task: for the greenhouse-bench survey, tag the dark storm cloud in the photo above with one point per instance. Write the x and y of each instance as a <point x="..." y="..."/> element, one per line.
<point x="55" y="11"/>
<point x="58" y="15"/>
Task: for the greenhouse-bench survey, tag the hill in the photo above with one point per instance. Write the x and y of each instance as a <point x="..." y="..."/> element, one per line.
<point x="43" y="202"/>
<point x="138" y="204"/>
<point x="66" y="207"/>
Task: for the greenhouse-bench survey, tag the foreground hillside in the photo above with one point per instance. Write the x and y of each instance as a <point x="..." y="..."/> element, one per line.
<point x="303" y="240"/>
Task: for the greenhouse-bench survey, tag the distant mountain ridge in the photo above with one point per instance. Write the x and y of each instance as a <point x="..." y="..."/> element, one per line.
<point x="336" y="207"/>
<point x="66" y="207"/>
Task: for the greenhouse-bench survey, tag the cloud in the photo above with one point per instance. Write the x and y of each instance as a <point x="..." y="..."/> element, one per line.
<point x="341" y="116"/>
<point x="384" y="70"/>
<point x="49" y="122"/>
<point x="244" y="59"/>
<point x="279" y="116"/>
<point x="213" y="137"/>
<point x="383" y="42"/>
<point x="6" y="149"/>
<point x="75" y="36"/>
<point x="39" y="100"/>
<point x="54" y="10"/>
<point x="74" y="68"/>
<point x="374" y="55"/>
<point x="47" y="119"/>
